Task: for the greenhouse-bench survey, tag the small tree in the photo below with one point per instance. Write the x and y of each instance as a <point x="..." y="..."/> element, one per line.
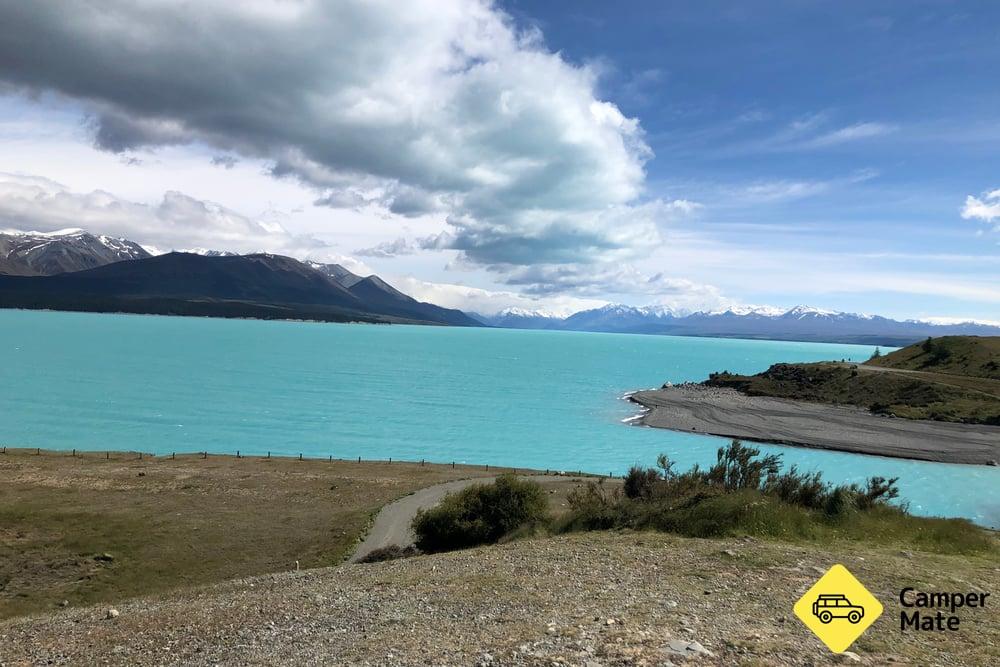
<point x="877" y="353"/>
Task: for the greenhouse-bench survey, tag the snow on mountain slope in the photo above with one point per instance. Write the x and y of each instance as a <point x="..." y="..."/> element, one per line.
<point x="48" y="253"/>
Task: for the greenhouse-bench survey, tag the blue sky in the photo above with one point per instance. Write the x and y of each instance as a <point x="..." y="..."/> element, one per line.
<point x="860" y="127"/>
<point x="541" y="154"/>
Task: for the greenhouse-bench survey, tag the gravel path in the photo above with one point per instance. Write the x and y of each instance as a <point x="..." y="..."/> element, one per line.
<point x="392" y="524"/>
<point x="728" y="413"/>
<point x="593" y="600"/>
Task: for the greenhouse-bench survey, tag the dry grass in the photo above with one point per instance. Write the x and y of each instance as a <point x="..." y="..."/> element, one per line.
<point x="169" y="523"/>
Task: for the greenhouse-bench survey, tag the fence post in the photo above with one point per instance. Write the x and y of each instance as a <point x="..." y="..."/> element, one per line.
<point x="390" y="459"/>
<point x="359" y="459"/>
<point x="238" y="453"/>
<point x="38" y="451"/>
<point x="452" y="464"/>
<point x="269" y="455"/>
<point x="173" y="455"/>
<point x="74" y="453"/>
<point x="300" y="456"/>
<point x="107" y="455"/>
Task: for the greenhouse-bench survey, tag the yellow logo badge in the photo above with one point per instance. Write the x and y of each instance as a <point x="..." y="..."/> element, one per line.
<point x="838" y="609"/>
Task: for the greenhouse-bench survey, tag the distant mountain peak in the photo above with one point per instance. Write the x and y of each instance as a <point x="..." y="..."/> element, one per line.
<point x="206" y="252"/>
<point x="802" y="311"/>
<point x="29" y="253"/>
<point x="517" y="311"/>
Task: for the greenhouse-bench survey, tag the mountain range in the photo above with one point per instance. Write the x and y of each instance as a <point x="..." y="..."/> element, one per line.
<point x="801" y="323"/>
<point x="76" y="270"/>
<point x="39" y="271"/>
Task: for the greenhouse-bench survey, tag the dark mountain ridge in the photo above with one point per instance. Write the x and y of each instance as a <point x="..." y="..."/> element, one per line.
<point x="262" y="285"/>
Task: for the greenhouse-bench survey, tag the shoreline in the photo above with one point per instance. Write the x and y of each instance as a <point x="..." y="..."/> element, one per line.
<point x="692" y="408"/>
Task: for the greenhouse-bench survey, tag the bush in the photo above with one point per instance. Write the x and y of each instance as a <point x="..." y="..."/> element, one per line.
<point x="480" y="514"/>
<point x="746" y="493"/>
<point x="795" y="488"/>
<point x="640" y="482"/>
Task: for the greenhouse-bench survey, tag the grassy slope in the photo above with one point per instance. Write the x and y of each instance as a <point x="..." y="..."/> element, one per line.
<point x="954" y="355"/>
<point x="955" y="386"/>
<point x="171" y="523"/>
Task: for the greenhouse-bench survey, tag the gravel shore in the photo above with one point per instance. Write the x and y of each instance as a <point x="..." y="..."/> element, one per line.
<point x="728" y="413"/>
<point x="587" y="599"/>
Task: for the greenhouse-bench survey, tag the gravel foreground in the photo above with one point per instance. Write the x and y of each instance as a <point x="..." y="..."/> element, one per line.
<point x="728" y="413"/>
<point x="587" y="599"/>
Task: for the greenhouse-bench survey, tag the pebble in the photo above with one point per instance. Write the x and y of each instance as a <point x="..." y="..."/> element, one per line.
<point x="111" y="613"/>
<point x="686" y="649"/>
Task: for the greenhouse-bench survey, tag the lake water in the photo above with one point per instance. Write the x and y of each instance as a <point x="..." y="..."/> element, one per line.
<point x="502" y="397"/>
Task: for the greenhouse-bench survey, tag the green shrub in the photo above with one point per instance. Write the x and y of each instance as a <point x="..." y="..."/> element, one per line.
<point x="795" y="488"/>
<point x="480" y="514"/>
<point x="745" y="493"/>
<point x="640" y="482"/>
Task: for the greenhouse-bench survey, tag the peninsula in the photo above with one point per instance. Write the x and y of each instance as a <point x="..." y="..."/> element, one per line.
<point x="935" y="401"/>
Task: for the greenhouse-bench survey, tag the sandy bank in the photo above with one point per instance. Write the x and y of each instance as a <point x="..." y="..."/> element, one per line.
<point x="725" y="412"/>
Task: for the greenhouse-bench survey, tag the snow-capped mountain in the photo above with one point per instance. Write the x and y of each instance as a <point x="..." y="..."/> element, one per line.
<point x="49" y="253"/>
<point x="338" y="273"/>
<point x="799" y="323"/>
<point x="521" y="318"/>
<point x="206" y="252"/>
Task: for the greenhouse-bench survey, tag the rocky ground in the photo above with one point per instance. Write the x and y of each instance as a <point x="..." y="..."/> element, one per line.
<point x="586" y="599"/>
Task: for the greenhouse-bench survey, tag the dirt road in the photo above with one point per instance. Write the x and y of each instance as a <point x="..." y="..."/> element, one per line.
<point x="392" y="525"/>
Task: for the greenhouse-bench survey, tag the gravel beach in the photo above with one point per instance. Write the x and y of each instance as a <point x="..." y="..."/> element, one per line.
<point x="728" y="413"/>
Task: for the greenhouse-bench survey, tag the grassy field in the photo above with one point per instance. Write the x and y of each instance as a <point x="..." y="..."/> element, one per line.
<point x="949" y="379"/>
<point x="165" y="523"/>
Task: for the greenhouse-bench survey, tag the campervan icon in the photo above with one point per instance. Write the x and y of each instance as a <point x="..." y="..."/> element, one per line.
<point x="828" y="607"/>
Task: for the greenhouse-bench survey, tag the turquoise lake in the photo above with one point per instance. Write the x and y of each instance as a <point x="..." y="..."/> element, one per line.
<point x="487" y="396"/>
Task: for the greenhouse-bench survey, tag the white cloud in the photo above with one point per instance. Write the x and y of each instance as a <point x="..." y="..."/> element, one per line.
<point x="177" y="221"/>
<point x="985" y="208"/>
<point x="850" y="133"/>
<point x="403" y="246"/>
<point x="812" y="132"/>
<point x="785" y="190"/>
<point x="430" y="106"/>
<point x="489" y="302"/>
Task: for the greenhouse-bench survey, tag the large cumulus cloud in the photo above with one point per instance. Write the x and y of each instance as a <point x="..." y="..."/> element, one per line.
<point x="426" y="106"/>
